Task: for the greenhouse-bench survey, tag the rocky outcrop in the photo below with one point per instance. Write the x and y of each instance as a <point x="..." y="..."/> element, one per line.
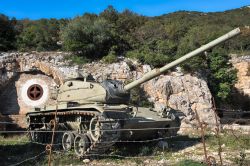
<point x="242" y="64"/>
<point x="8" y="67"/>
<point x="181" y="92"/>
<point x="242" y="87"/>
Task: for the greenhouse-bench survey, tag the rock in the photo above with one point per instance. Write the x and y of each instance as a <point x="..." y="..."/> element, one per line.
<point x="86" y="161"/>
<point x="162" y="161"/>
<point x="146" y="161"/>
<point x="242" y="93"/>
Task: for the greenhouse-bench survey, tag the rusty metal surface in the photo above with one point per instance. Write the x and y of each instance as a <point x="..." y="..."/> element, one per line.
<point x="68" y="112"/>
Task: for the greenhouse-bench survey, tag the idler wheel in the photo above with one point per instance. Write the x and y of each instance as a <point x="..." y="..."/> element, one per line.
<point x="94" y="129"/>
<point x="67" y="141"/>
<point x="81" y="144"/>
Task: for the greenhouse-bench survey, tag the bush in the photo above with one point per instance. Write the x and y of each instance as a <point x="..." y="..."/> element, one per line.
<point x="78" y="59"/>
<point x="89" y="36"/>
<point x="139" y="98"/>
<point x="41" y="35"/>
<point x="222" y="76"/>
<point x="148" y="57"/>
<point x="110" y="58"/>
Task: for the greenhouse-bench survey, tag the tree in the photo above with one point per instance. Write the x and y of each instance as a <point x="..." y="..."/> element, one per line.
<point x="89" y="36"/>
<point x="218" y="72"/>
<point x="41" y="35"/>
<point x="110" y="14"/>
<point x="222" y="76"/>
<point x="7" y="33"/>
<point x="127" y="25"/>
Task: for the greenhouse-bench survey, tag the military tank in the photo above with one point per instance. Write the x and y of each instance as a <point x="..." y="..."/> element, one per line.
<point x="90" y="117"/>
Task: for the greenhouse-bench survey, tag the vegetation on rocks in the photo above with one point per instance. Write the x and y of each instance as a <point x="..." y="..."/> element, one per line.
<point x="152" y="40"/>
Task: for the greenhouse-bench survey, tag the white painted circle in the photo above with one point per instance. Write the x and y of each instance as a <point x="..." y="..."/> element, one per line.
<point x="34" y="103"/>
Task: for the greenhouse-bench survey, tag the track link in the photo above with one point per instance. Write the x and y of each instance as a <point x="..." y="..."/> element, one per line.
<point x="109" y="135"/>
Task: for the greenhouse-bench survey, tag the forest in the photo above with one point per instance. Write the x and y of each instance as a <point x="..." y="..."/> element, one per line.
<point x="151" y="40"/>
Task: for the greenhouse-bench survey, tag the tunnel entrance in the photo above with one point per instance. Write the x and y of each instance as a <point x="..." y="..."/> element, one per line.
<point x="8" y="97"/>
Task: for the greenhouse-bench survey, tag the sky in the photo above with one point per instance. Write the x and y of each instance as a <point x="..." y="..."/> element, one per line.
<point x="36" y="9"/>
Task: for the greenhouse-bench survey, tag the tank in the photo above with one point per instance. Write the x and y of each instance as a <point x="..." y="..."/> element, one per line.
<point x="90" y="117"/>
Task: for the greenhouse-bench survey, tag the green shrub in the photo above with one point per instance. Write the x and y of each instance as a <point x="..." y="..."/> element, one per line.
<point x="148" y="57"/>
<point x="110" y="58"/>
<point x="88" y="35"/>
<point x="139" y="98"/>
<point x="78" y="59"/>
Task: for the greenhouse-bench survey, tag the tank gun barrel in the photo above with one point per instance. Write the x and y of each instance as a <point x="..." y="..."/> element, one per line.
<point x="156" y="72"/>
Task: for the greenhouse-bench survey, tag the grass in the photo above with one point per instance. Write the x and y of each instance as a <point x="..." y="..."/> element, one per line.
<point x="232" y="141"/>
<point x="189" y="163"/>
<point x="14" y="140"/>
<point x="16" y="148"/>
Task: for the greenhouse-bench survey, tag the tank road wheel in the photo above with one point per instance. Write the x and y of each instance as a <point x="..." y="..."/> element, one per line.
<point x="94" y="128"/>
<point x="81" y="144"/>
<point x="67" y="141"/>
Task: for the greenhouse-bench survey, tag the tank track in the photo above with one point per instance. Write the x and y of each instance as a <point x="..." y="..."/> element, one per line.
<point x="108" y="135"/>
<point x="106" y="139"/>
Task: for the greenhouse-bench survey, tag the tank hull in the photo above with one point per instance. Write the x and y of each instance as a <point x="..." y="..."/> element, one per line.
<point x="102" y="128"/>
